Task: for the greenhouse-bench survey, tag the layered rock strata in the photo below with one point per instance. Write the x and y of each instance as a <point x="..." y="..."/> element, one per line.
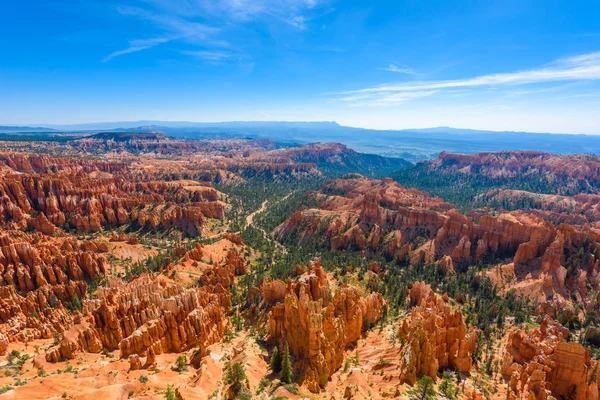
<point x="318" y="323"/>
<point x="434" y="337"/>
<point x="39" y="277"/>
<point x="150" y="316"/>
<point x="540" y="364"/>
<point x="379" y="216"/>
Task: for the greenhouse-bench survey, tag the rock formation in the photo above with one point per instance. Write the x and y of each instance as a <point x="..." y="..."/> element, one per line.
<point x="37" y="272"/>
<point x="91" y="196"/>
<point x="539" y="363"/>
<point x="434" y="338"/>
<point x="573" y="168"/>
<point x="353" y="214"/>
<point x="580" y="209"/>
<point x="317" y="325"/>
<point x="150" y="316"/>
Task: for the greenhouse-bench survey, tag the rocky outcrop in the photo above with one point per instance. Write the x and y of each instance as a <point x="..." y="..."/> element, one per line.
<point x="150" y="316"/>
<point x="576" y="168"/>
<point x="274" y="291"/>
<point x="82" y="335"/>
<point x="540" y="364"/>
<point x="234" y="238"/>
<point x="32" y="261"/>
<point x="25" y="318"/>
<point x="319" y="322"/>
<point x="235" y="260"/>
<point x="39" y="277"/>
<point x="434" y="337"/>
<point x="381" y="217"/>
<point x="155" y="143"/>
<point x="580" y="209"/>
<point x="353" y="213"/>
<point x="31" y="163"/>
<point x="3" y="344"/>
<point x="90" y="197"/>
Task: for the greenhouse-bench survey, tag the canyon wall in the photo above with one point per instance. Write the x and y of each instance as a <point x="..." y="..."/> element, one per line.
<point x="540" y="363"/>
<point x="434" y="337"/>
<point x="318" y="322"/>
<point x="381" y="217"/>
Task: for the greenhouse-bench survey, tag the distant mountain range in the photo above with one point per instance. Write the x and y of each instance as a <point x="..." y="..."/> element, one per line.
<point x="411" y="144"/>
<point x="18" y="129"/>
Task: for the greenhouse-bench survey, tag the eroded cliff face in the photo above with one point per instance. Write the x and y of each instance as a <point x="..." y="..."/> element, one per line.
<point x="91" y="201"/>
<point x="154" y="143"/>
<point x="228" y="160"/>
<point x="46" y="193"/>
<point x="540" y="363"/>
<point x="39" y="276"/>
<point x="318" y="322"/>
<point x="434" y="337"/>
<point x="150" y="316"/>
<point x="44" y="164"/>
<point x="580" y="209"/>
<point x="379" y="216"/>
<point x="575" y="168"/>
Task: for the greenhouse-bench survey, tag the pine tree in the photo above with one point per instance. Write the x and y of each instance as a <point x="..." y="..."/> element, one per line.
<point x="275" y="362"/>
<point x="170" y="394"/>
<point x="448" y="388"/>
<point x="180" y="364"/>
<point x="76" y="303"/>
<point x="424" y="390"/>
<point x="235" y="373"/>
<point x="286" y="365"/>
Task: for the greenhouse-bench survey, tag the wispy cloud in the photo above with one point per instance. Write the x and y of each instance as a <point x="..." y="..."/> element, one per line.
<point x="391" y="99"/>
<point x="210" y="55"/>
<point x="175" y="26"/>
<point x="585" y="67"/>
<point x="297" y="21"/>
<point x="291" y="12"/>
<point x="393" y="67"/>
<point x="137" y="45"/>
<point x="204" y="22"/>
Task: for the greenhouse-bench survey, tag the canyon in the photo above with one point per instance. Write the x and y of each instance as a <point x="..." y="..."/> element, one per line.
<point x="536" y="258"/>
<point x="137" y="265"/>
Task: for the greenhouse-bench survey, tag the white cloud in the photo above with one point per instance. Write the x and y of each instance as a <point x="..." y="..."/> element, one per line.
<point x="292" y="12"/>
<point x="137" y="45"/>
<point x="180" y="20"/>
<point x="295" y="13"/>
<point x="390" y="99"/>
<point x="393" y="67"/>
<point x="177" y="27"/>
<point x="584" y="67"/>
<point x="210" y="55"/>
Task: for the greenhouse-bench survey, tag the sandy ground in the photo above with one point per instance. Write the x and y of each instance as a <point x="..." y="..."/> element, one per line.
<point x="135" y="252"/>
<point x="97" y="376"/>
<point x="188" y="272"/>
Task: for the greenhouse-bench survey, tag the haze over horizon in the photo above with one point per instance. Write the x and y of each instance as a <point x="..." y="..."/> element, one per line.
<point x="111" y="125"/>
<point x="518" y="66"/>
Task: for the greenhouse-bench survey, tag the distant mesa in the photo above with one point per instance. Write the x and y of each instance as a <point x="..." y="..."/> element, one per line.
<point x="126" y="136"/>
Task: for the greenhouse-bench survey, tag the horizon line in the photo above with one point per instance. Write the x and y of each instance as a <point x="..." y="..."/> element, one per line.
<point x="63" y="127"/>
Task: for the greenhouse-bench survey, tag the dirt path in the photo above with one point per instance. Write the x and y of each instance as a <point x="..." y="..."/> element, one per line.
<point x="262" y="208"/>
<point x="250" y="220"/>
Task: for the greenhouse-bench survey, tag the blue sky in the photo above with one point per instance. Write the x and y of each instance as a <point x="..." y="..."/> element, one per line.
<point x="496" y="64"/>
